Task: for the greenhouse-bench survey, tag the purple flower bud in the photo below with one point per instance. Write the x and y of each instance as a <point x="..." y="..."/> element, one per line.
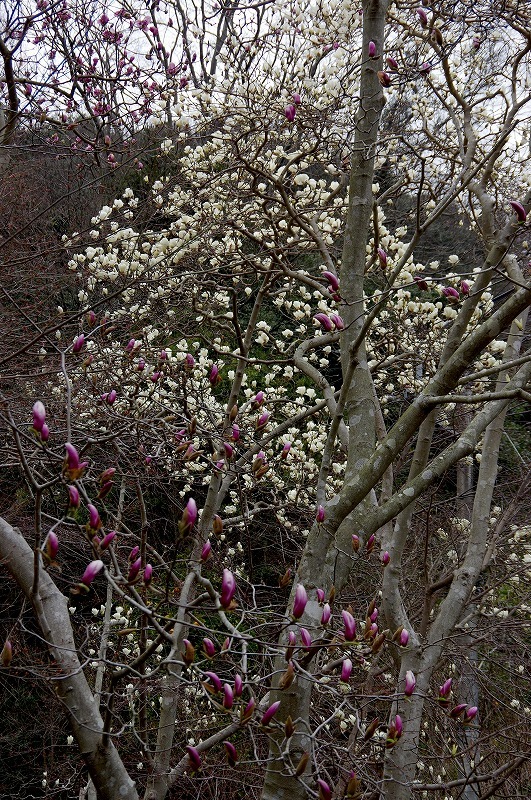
<point x="189" y="516"/>
<point x="229" y="451"/>
<point x="374" y="616"/>
<point x="470" y="714"/>
<point x="296" y="98"/>
<point x="45" y="432"/>
<point x="327" y="613"/>
<point x="141" y="364"/>
<point x="289" y="113"/>
<point x="299" y="604"/>
<point x="370" y="543"/>
<point x="476" y="43"/>
<point x="232" y="755"/>
<point x="258" y="399"/>
<point x="189" y="361"/>
<point x="425" y="68"/>
<point x="228" y="588"/>
<point x="105" y="542"/>
<point x="39" y="415"/>
<point x="346" y="670"/>
<point x="421" y="283"/>
<point x="148" y="574"/>
<point x="372" y="50"/>
<point x="392" y="63"/>
<point x="6" y="655"/>
<point x="228" y="696"/>
<point x="73" y="497"/>
<point x="450" y="293"/>
<point x="94" y="517"/>
<point x="270" y="713"/>
<point x="292" y="638"/>
<point x="456" y="712"/>
<point x="249" y="710"/>
<point x="399" y="726"/>
<point x="235" y="432"/>
<point x="324" y="321"/>
<point x="384" y="78"/>
<point x="91" y="571"/>
<point x="215" y="681"/>
<point x="111" y="397"/>
<point x="262" y="420"/>
<point x="332" y="280"/>
<point x="355" y="542"/>
<point x="350" y="626"/>
<point x="320" y="595"/>
<point x="155" y="376"/>
<point x="134" y="569"/>
<point x="238" y="685"/>
<point x="404" y="638"/>
<point x="519" y="210"/>
<point x="325" y="792"/>
<point x="130" y="346"/>
<point x="195" y="758"/>
<point x="134" y="553"/>
<point x="285" y="450"/>
<point x="410" y="684"/>
<point x="382" y="257"/>
<point x="423" y="17"/>
<point x="214" y="376"/>
<point x="51" y="546"/>
<point x="338" y="321"/>
<point x="320" y="515"/>
<point x="206" y="550"/>
<point x="72" y="456"/>
<point x="78" y="343"/>
<point x="386" y="558"/>
<point x="306" y="638"/>
<point x="465" y="287"/>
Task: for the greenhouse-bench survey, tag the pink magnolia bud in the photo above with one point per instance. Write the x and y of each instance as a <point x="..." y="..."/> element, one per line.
<point x="306" y="638"/>
<point x="285" y="450"/>
<point x="111" y="397"/>
<point x="404" y="638"/>
<point x="51" y="546"/>
<point x="292" y="638"/>
<point x="444" y="693"/>
<point x="73" y="497"/>
<point x="327" y="613"/>
<point x="451" y="293"/>
<point x="228" y="588"/>
<point x="410" y="684"/>
<point x="155" y="376"/>
<point x="332" y="280"/>
<point x="338" y="321"/>
<point x="206" y="550"/>
<point x="384" y="78"/>
<point x="270" y="713"/>
<point x="423" y="17"/>
<point x="215" y="681"/>
<point x="456" y="712"/>
<point x="163" y="355"/>
<point x="425" y="68"/>
<point x="134" y="553"/>
<point x="289" y="113"/>
<point x="421" y="283"/>
<point x="72" y="456"/>
<point x="324" y="790"/>
<point x="189" y="516"/>
<point x="141" y="364"/>
<point x="320" y="595"/>
<point x="386" y="558"/>
<point x="189" y="361"/>
<point x="470" y="714"/>
<point x="238" y="685"/>
<point x="374" y="615"/>
<point x="209" y="648"/>
<point x="299" y="604"/>
<point x="106" y="541"/>
<point x="91" y="318"/>
<point x="232" y="755"/>
<point x="91" y="571"/>
<point x="392" y="63"/>
<point x="372" y="50"/>
<point x="324" y="321"/>
<point x="45" y="432"/>
<point x="94" y="518"/>
<point x="6" y="655"/>
<point x="399" y="726"/>
<point x="235" y="432"/>
<point x="39" y="416"/>
<point x="148" y="574"/>
<point x="350" y="626"/>
<point x="214" y="376"/>
<point x="248" y="712"/>
<point x="229" y="451"/>
<point x="225" y="647"/>
<point x="320" y="515"/>
<point x="228" y="696"/>
<point x="346" y="670"/>
<point x="465" y="287"/>
<point x="78" y="343"/>
<point x="519" y="210"/>
<point x="370" y="543"/>
<point x="296" y="98"/>
<point x="382" y="257"/>
<point x="355" y="542"/>
<point x="130" y="346"/>
<point x="195" y="758"/>
<point x="258" y="400"/>
<point x="134" y="569"/>
<point x="262" y="420"/>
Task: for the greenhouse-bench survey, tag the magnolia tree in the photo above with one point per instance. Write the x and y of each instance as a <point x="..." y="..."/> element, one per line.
<point x="268" y="550"/>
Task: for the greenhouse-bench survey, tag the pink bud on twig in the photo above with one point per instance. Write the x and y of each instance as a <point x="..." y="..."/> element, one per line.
<point x="519" y="210"/>
<point x="320" y="515"/>
<point x="372" y="50"/>
<point x="206" y="550"/>
<point x="324" y="321"/>
<point x="91" y="571"/>
<point x="228" y="588"/>
<point x="194" y="757"/>
<point x="332" y="280"/>
<point x="410" y="683"/>
<point x="299" y="604"/>
<point x="232" y="755"/>
<point x="51" y="546"/>
<point x="289" y="112"/>
<point x="270" y="713"/>
<point x="324" y="790"/>
<point x="346" y="670"/>
<point x="107" y="539"/>
<point x="327" y="613"/>
<point x="350" y="626"/>
<point x="148" y="574"/>
<point x="78" y="343"/>
<point x="134" y="569"/>
<point x="73" y="497"/>
<point x="39" y="416"/>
